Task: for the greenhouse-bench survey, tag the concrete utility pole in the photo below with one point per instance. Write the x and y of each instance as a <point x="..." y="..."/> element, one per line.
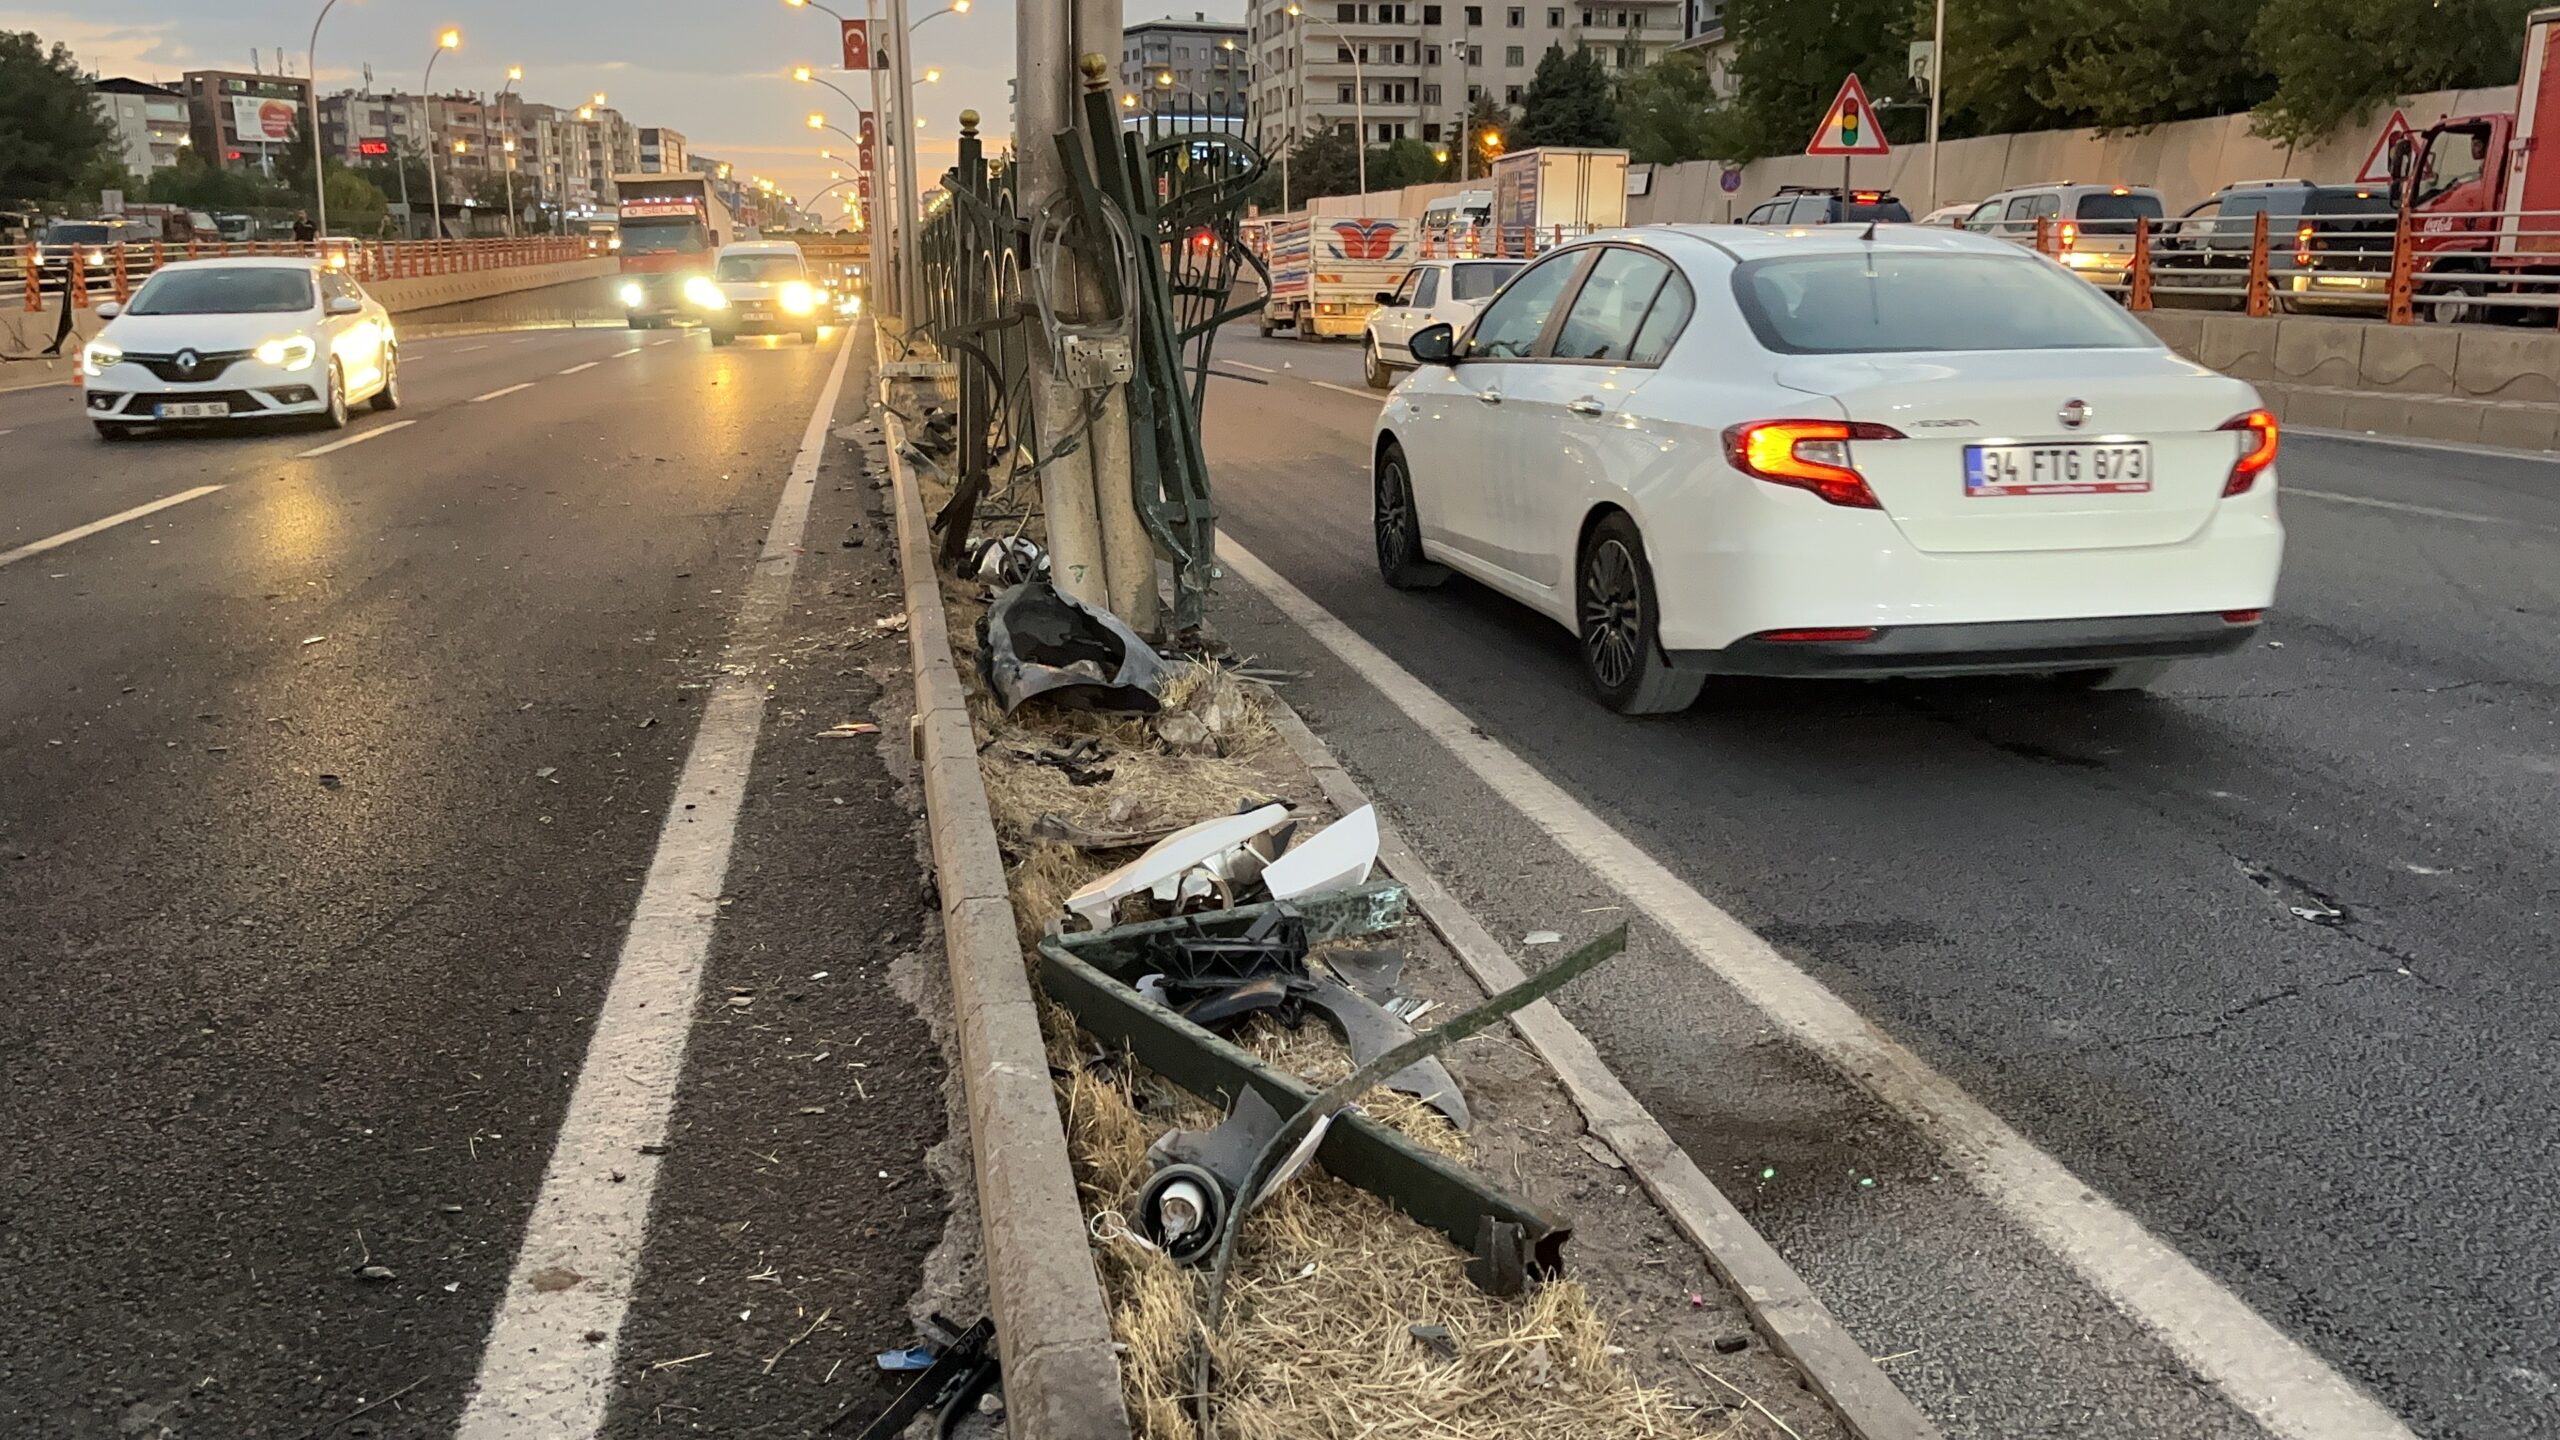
<point x="1937" y="92"/>
<point x="902" y="81"/>
<point x="1098" y="550"/>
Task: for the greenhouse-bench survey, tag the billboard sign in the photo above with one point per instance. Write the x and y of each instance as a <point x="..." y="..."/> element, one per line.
<point x="263" y="120"/>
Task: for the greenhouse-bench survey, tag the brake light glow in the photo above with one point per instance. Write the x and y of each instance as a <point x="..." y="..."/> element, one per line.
<point x="2243" y="617"/>
<point x="2257" y="452"/>
<point x="2070" y="234"/>
<point x="1808" y="455"/>
<point x="2302" y="246"/>
<point x="1821" y="635"/>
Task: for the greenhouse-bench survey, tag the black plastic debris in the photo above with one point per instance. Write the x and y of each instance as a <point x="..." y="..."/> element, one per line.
<point x="963" y="1369"/>
<point x="1035" y="642"/>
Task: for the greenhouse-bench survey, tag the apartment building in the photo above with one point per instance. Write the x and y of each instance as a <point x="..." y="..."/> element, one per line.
<point x="241" y="119"/>
<point x="150" y="121"/>
<point x="1411" y="71"/>
<point x="662" y="151"/>
<point x="361" y="128"/>
<point x="1200" y="69"/>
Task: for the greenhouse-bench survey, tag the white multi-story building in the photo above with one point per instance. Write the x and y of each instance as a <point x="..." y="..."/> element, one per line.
<point x="151" y="121"/>
<point x="663" y="151"/>
<point x="1412" y="71"/>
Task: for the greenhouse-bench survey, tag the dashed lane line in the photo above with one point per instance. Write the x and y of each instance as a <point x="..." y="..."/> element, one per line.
<point x="2269" y="1375"/>
<point x="375" y="433"/>
<point x="1257" y="369"/>
<point x="83" y="532"/>
<point x="1374" y="397"/>
<point x="619" y="354"/>
<point x="547" y="1370"/>
<point x="574" y="369"/>
<point x="2402" y="507"/>
<point x="494" y="394"/>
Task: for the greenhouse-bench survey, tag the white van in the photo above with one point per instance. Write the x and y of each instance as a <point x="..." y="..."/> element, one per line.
<point x="757" y="287"/>
<point x="2089" y="228"/>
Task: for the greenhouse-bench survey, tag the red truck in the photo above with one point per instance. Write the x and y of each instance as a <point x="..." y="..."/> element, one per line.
<point x="2482" y="200"/>
<point x="672" y="226"/>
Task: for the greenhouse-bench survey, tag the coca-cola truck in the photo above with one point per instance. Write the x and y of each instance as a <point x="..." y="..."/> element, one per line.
<point x="2482" y="198"/>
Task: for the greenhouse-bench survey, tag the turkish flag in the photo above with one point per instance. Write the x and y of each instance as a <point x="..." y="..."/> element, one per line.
<point x="865" y="157"/>
<point x="866" y="128"/>
<point x="857" y="45"/>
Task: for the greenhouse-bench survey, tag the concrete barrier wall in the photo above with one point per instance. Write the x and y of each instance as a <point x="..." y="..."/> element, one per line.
<point x="568" y="292"/>
<point x="2475" y="383"/>
<point x="2186" y="161"/>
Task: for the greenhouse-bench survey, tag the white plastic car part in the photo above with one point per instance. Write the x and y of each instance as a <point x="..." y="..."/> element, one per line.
<point x="1168" y="859"/>
<point x="1338" y="857"/>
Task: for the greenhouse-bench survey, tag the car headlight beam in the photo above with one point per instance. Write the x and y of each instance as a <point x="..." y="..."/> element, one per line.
<point x="290" y="352"/>
<point x="799" y="298"/>
<point x="632" y="295"/>
<point x="100" y="356"/>
<point x="700" y="293"/>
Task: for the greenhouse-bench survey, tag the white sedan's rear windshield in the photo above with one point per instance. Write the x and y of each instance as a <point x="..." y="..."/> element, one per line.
<point x="1477" y="279"/>
<point x="243" y="290"/>
<point x="1889" y="302"/>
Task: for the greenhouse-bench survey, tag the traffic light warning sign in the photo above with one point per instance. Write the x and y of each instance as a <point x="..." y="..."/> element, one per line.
<point x="1850" y="126"/>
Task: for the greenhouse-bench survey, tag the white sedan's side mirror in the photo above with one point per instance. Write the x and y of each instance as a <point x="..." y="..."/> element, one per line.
<point x="345" y="305"/>
<point x="110" y="310"/>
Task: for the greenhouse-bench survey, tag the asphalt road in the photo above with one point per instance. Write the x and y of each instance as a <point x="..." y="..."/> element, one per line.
<point x="2264" y="958"/>
<point x="326" y="798"/>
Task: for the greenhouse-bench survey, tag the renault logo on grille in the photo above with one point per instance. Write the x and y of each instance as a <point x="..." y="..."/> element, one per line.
<point x="188" y="360"/>
<point x="2074" y="414"/>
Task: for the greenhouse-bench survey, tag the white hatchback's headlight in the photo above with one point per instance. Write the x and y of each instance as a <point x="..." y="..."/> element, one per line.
<point x="633" y="295"/>
<point x="799" y="298"/>
<point x="100" y="356"/>
<point x="702" y="294"/>
<point x="292" y="352"/>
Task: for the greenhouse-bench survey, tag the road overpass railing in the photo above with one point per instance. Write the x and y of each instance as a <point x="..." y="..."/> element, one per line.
<point x="39" y="276"/>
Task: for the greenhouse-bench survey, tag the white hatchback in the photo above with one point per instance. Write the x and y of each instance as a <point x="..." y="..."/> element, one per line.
<point x="1838" y="451"/>
<point x="216" y="340"/>
<point x="1434" y="292"/>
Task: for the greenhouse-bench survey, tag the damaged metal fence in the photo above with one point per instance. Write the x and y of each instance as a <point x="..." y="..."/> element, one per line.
<point x="1155" y="219"/>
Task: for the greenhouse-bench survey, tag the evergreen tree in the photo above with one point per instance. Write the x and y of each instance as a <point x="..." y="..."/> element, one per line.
<point x="51" y="135"/>
<point x="1568" y="103"/>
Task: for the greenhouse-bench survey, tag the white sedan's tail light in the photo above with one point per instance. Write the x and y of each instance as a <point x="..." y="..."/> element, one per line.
<point x="1808" y="455"/>
<point x="2260" y="452"/>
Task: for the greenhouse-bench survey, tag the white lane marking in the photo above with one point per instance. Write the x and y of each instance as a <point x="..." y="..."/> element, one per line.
<point x="2454" y="447"/>
<point x="618" y="354"/>
<point x="574" y="369"/>
<point x="83" y="532"/>
<point x="2400" y="505"/>
<point x="521" y="340"/>
<point x="375" y="433"/>
<point x="541" y="1378"/>
<point x="1257" y="369"/>
<point x="494" y="394"/>
<point x="1374" y="397"/>
<point x="8" y="432"/>
<point x="2266" y="1373"/>
<point x="467" y="349"/>
<point x="670" y="340"/>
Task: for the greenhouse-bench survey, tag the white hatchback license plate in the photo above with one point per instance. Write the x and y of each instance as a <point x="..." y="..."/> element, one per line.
<point x="192" y="411"/>
<point x="2078" y="469"/>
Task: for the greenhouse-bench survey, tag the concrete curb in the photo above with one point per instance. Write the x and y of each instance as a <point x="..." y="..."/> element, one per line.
<point x="1796" y="1323"/>
<point x="1061" y="1370"/>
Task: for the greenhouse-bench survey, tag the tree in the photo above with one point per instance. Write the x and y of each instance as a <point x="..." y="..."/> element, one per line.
<point x="2337" y="62"/>
<point x="199" y="184"/>
<point x="1667" y="112"/>
<point x="1485" y="115"/>
<point x="355" y="205"/>
<point x="1790" y="57"/>
<point x="1401" y="163"/>
<point x="1568" y="102"/>
<point x="50" y="132"/>
<point x="2107" y="64"/>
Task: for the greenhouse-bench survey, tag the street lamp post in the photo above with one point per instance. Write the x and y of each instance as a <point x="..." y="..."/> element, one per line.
<point x="515" y="76"/>
<point x="448" y="40"/>
<point x="809" y="76"/>
<point x="1359" y="89"/>
<point x="319" y="166"/>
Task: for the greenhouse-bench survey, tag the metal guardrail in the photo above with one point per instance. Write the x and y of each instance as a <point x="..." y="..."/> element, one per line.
<point x="93" y="274"/>
<point x="2432" y="266"/>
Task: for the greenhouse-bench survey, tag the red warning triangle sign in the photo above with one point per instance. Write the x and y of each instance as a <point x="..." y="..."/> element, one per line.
<point x="2377" y="164"/>
<point x="1850" y="126"/>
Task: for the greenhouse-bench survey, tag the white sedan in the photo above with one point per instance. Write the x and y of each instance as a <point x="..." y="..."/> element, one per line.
<point x="214" y="340"/>
<point x="1434" y="292"/>
<point x="1723" y="451"/>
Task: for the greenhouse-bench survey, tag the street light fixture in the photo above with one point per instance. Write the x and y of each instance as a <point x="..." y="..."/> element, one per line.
<point x="319" y="167"/>
<point x="447" y="39"/>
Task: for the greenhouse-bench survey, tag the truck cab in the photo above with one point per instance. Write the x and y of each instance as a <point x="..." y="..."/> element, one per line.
<point x="2482" y="200"/>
